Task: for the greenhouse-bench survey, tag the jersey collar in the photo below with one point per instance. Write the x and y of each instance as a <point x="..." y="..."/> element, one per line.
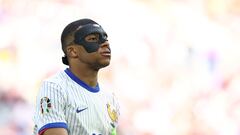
<point x="80" y="82"/>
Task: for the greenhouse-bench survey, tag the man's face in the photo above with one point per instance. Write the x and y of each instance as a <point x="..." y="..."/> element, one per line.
<point x="90" y="30"/>
<point x="90" y="46"/>
<point x="101" y="57"/>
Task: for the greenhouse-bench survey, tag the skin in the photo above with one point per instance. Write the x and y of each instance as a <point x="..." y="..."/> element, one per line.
<point x="56" y="131"/>
<point x="85" y="66"/>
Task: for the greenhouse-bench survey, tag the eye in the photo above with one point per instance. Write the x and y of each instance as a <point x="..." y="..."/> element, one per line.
<point x="92" y="38"/>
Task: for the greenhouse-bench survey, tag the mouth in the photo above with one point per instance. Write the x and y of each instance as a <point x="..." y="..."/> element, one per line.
<point x="106" y="53"/>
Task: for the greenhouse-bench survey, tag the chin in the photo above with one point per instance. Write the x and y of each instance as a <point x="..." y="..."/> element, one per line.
<point x="102" y="63"/>
<point x="105" y="64"/>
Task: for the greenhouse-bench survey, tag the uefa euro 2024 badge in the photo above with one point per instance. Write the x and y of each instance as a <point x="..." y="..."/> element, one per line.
<point x="45" y="105"/>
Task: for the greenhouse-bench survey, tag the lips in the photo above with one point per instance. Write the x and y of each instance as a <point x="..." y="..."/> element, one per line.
<point x="106" y="52"/>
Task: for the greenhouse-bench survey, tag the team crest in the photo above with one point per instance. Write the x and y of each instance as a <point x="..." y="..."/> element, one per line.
<point x="45" y="105"/>
<point x="112" y="113"/>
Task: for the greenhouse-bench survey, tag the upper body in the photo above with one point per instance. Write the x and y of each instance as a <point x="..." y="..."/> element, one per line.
<point x="72" y="102"/>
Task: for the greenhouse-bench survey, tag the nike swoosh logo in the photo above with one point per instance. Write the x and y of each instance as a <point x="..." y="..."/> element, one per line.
<point x="78" y="111"/>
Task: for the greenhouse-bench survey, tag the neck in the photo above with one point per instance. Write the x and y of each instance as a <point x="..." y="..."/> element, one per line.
<point x="87" y="75"/>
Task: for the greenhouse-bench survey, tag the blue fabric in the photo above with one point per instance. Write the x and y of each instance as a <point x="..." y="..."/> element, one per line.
<point x="53" y="125"/>
<point x="80" y="82"/>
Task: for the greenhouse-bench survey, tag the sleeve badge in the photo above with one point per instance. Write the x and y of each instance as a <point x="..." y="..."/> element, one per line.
<point x="45" y="105"/>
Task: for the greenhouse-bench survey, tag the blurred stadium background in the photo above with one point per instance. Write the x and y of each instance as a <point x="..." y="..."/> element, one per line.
<point x="175" y="65"/>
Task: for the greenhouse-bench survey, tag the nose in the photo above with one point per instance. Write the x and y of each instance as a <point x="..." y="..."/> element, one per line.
<point x="105" y="44"/>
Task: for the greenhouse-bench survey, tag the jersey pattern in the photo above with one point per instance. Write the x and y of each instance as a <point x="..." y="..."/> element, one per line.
<point x="64" y="101"/>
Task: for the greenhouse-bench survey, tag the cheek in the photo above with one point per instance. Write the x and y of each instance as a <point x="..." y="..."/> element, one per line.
<point x="88" y="57"/>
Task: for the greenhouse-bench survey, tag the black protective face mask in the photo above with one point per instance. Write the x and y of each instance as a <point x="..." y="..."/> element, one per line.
<point x="85" y="30"/>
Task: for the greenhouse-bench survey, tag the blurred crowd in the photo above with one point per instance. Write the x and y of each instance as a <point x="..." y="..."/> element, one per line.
<point x="175" y="67"/>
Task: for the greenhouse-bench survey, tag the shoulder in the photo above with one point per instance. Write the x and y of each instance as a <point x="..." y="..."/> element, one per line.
<point x="54" y="83"/>
<point x="60" y="79"/>
<point x="57" y="78"/>
<point x="52" y="88"/>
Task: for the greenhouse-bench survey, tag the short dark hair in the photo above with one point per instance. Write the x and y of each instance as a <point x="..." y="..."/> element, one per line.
<point x="69" y="31"/>
<point x="67" y="36"/>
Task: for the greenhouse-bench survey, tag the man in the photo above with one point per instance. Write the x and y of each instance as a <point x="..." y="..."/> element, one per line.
<point x="71" y="102"/>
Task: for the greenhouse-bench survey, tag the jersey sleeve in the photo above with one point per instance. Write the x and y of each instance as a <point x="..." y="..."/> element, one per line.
<point x="50" y="107"/>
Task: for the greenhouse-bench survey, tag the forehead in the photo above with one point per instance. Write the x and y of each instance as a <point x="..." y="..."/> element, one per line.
<point x="88" y="30"/>
<point x="89" y="26"/>
<point x="93" y="35"/>
<point x="83" y="31"/>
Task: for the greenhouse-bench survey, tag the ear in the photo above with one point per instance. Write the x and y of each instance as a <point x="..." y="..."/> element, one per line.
<point x="71" y="52"/>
